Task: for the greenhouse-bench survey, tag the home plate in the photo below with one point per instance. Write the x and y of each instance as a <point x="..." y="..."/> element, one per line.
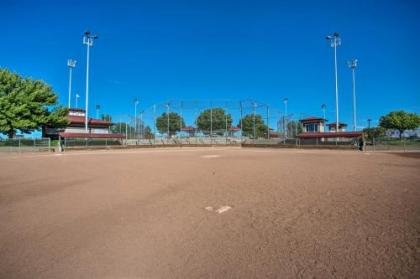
<point x="223" y="209"/>
<point x="210" y="156"/>
<point x="209" y="208"/>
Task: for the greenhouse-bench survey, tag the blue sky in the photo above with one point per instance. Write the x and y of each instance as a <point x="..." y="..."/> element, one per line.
<point x="264" y="50"/>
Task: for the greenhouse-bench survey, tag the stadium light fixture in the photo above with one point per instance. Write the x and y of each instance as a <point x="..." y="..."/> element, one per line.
<point x="70" y="64"/>
<point x="352" y="64"/>
<point x="335" y="41"/>
<point x="88" y="39"/>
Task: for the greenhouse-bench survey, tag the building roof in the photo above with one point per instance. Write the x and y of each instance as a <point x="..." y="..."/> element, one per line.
<point x="313" y="119"/>
<point x="90" y="136"/>
<point x="315" y="135"/>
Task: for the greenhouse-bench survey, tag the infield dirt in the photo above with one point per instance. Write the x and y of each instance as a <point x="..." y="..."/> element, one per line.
<point x="210" y="213"/>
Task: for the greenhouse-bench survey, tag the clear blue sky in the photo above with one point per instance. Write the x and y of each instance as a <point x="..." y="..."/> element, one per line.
<point x="265" y="50"/>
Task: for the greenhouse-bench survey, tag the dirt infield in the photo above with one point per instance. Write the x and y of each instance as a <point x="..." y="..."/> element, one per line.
<point x="210" y="213"/>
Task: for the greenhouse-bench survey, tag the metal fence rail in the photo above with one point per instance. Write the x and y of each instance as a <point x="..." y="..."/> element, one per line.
<point x="25" y="145"/>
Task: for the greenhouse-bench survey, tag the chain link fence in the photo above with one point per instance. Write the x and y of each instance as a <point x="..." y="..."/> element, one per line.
<point x="25" y="145"/>
<point x="385" y="143"/>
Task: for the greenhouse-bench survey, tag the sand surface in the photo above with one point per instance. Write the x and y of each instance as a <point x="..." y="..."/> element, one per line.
<point x="210" y="213"/>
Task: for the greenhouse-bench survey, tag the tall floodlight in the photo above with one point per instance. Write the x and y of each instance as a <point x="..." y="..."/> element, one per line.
<point x="98" y="108"/>
<point x="136" y="102"/>
<point x="352" y="65"/>
<point x="88" y="39"/>
<point x="335" y="41"/>
<point x="70" y="64"/>
<point x="369" y="120"/>
<point x="77" y="99"/>
<point x="285" y="130"/>
<point x="324" y="108"/>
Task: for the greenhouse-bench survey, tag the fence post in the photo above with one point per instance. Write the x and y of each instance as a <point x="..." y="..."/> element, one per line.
<point x="240" y="104"/>
<point x="268" y="123"/>
<point x="211" y="124"/>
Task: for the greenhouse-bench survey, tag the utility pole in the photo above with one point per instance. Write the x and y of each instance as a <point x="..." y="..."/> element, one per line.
<point x="335" y="41"/>
<point x="88" y="41"/>
<point x="352" y="65"/>
<point x="70" y="64"/>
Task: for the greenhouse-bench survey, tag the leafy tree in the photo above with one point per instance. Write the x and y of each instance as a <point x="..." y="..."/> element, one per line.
<point x="248" y="126"/>
<point x="27" y="105"/>
<point x="294" y="128"/>
<point x="147" y="133"/>
<point x="214" y="119"/>
<point x="175" y="122"/>
<point x="106" y="117"/>
<point x="372" y="133"/>
<point x="122" y="128"/>
<point x="400" y="120"/>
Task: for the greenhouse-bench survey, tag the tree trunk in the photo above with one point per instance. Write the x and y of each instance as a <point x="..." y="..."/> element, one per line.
<point x="11" y="134"/>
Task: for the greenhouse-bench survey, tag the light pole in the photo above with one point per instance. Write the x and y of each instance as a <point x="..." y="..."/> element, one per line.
<point x="88" y="41"/>
<point x="335" y="41"/>
<point x="98" y="107"/>
<point x="71" y="64"/>
<point x="369" y="120"/>
<point x="352" y="65"/>
<point x="324" y="108"/>
<point x="77" y="99"/>
<point x="136" y="102"/>
<point x="285" y="101"/>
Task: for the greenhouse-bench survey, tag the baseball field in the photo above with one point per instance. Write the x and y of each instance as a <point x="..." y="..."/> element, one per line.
<point x="210" y="213"/>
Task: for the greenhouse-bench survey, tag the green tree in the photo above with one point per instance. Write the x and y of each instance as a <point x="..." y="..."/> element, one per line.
<point x="147" y="133"/>
<point x="27" y="105"/>
<point x="400" y="120"/>
<point x="375" y="132"/>
<point x="122" y="128"/>
<point x="248" y="126"/>
<point x="214" y="119"/>
<point x="294" y="128"/>
<point x="175" y="122"/>
<point x="106" y="117"/>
